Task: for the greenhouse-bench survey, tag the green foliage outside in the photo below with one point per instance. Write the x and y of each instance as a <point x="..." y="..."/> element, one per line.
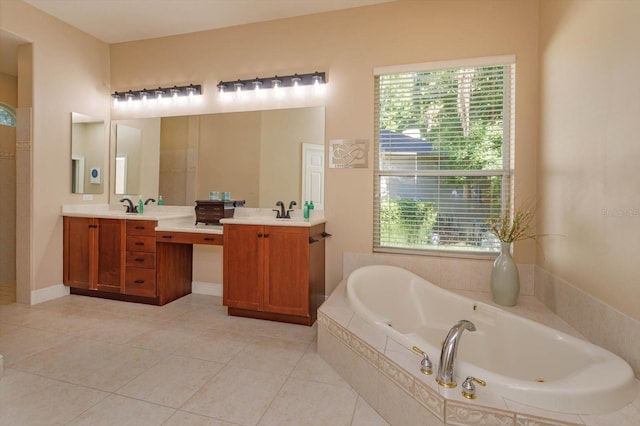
<point x="406" y="222"/>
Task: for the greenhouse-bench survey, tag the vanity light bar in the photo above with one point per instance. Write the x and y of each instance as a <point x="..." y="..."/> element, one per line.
<point x="160" y="92"/>
<point x="274" y="82"/>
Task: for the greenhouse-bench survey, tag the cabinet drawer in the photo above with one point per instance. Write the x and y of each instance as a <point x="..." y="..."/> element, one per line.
<point x="141" y="243"/>
<point x="189" y="238"/>
<point x="140" y="282"/>
<point x="141" y="259"/>
<point x="141" y="227"/>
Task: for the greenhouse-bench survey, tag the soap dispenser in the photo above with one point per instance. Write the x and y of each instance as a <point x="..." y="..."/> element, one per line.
<point x="140" y="205"/>
<point x="160" y="201"/>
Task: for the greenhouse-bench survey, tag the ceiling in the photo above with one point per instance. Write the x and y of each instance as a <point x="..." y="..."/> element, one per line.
<point x="115" y="21"/>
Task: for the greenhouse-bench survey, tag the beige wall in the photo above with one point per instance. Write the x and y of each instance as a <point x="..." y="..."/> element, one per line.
<point x="588" y="173"/>
<point x="347" y="45"/>
<point x="69" y="72"/>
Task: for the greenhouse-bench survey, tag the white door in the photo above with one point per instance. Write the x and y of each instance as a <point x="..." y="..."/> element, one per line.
<point x="313" y="175"/>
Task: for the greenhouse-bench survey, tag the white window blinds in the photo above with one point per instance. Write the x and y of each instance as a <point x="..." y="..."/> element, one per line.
<point x="443" y="156"/>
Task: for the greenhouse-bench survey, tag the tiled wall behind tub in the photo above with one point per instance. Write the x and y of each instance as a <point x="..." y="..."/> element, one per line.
<point x="597" y="321"/>
<point x="8" y="204"/>
<point x="446" y="272"/>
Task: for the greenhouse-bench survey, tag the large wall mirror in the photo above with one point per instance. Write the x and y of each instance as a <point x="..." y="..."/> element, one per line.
<point x="258" y="156"/>
<point x="87" y="154"/>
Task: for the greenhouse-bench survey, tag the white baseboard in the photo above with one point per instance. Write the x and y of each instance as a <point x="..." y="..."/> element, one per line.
<point x="210" y="289"/>
<point x="49" y="293"/>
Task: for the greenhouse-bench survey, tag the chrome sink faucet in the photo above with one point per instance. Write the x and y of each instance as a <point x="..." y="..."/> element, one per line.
<point x="445" y="376"/>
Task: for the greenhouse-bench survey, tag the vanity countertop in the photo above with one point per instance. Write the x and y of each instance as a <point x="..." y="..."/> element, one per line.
<point x="106" y="211"/>
<point x="249" y="216"/>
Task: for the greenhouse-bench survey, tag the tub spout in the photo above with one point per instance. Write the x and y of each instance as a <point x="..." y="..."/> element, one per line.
<point x="445" y="375"/>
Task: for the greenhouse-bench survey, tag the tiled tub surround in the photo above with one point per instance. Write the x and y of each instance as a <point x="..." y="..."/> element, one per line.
<point x="503" y="349"/>
<point x="387" y="374"/>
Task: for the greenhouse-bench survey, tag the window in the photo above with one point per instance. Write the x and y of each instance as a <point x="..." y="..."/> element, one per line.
<point x="443" y="154"/>
<point x="7" y="115"/>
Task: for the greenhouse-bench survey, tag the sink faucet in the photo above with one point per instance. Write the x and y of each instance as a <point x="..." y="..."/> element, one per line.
<point x="149" y="200"/>
<point x="130" y="207"/>
<point x="291" y="204"/>
<point x="445" y="375"/>
<point x="280" y="214"/>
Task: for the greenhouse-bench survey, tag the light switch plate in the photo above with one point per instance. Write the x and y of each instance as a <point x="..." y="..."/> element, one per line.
<point x="87" y="197"/>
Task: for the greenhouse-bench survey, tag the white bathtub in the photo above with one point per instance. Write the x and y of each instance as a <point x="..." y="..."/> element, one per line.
<point x="520" y="360"/>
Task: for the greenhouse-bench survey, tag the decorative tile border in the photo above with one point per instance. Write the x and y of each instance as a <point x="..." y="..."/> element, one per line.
<point x="465" y="414"/>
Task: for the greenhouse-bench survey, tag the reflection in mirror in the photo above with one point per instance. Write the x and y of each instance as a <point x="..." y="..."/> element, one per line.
<point x="257" y="156"/>
<point x="87" y="154"/>
<point x="127" y="159"/>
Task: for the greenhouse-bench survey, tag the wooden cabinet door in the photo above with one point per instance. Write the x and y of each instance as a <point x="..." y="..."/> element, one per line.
<point x="286" y="270"/>
<point x="243" y="273"/>
<point x="78" y="251"/>
<point x="110" y="257"/>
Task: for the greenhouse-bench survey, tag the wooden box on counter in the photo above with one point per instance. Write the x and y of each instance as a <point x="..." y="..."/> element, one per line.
<point x="211" y="211"/>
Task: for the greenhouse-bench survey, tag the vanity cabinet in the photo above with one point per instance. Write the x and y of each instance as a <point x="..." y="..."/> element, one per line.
<point x="92" y="253"/>
<point x="121" y="259"/>
<point x="140" y="273"/>
<point x="274" y="272"/>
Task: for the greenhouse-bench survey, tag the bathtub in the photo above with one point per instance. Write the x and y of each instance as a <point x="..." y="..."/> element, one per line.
<point x="519" y="359"/>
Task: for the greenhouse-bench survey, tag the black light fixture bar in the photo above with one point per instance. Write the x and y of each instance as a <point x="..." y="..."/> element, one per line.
<point x="273" y="82"/>
<point x="165" y="92"/>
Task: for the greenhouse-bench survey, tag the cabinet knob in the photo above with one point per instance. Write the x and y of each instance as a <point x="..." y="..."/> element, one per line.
<point x="259" y="234"/>
<point x="312" y="240"/>
<point x="266" y="235"/>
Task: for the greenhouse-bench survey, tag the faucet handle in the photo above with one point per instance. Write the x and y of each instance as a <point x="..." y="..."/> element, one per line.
<point x="469" y="389"/>
<point x="426" y="367"/>
<point x="277" y="213"/>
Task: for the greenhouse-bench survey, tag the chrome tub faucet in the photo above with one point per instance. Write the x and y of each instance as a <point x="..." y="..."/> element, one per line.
<point x="445" y="376"/>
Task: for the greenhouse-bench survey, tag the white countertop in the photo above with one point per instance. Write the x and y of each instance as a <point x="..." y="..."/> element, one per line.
<point x="182" y="218"/>
<point x="107" y="211"/>
<point x="249" y="216"/>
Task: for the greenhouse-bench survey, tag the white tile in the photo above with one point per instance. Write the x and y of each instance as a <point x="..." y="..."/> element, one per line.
<point x="273" y="355"/>
<point x="302" y="402"/>
<point x="181" y="418"/>
<point x="28" y="399"/>
<point x="236" y="395"/>
<point x="93" y="364"/>
<point x="214" y="346"/>
<point x="172" y="381"/>
<point x="122" y="411"/>
<point x="364" y="415"/>
<point x="312" y="367"/>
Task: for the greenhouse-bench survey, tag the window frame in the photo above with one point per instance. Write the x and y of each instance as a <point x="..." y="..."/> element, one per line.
<point x="506" y="173"/>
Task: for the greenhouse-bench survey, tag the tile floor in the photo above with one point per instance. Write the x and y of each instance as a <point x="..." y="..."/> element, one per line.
<point x="87" y="361"/>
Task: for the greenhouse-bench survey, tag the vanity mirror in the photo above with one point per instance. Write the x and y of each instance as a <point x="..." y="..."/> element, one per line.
<point x="257" y="156"/>
<point x="87" y="154"/>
